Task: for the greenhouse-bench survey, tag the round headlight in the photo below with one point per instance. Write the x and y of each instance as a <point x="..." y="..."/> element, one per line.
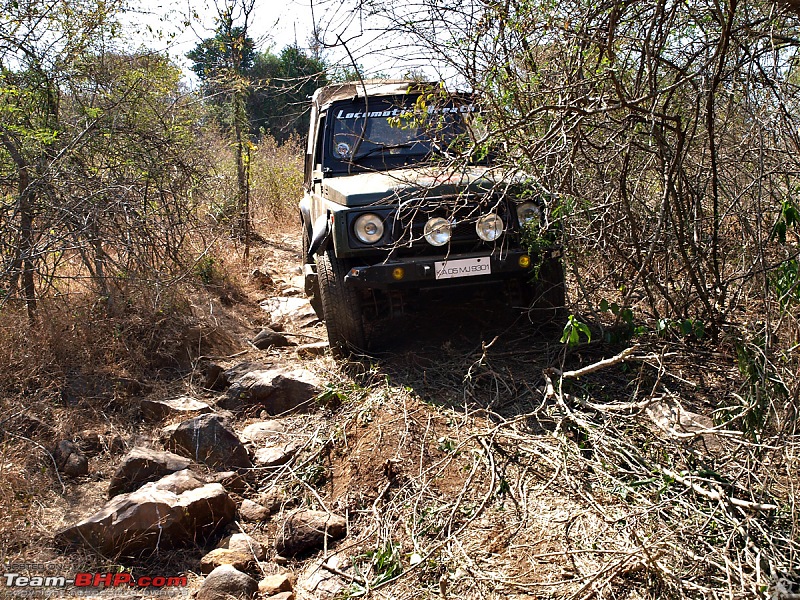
<point x="368" y="228"/>
<point x="489" y="227"/>
<point x="437" y="231"/>
<point x="528" y="211"/>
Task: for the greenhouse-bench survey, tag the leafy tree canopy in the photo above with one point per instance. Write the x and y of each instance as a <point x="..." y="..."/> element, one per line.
<point x="229" y="50"/>
<point x="282" y="85"/>
<point x="278" y="85"/>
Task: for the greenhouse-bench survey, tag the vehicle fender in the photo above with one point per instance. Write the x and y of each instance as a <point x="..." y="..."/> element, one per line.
<point x="320" y="235"/>
<point x="305" y="210"/>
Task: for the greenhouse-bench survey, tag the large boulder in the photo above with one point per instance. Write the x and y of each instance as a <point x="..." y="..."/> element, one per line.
<point x="278" y="391"/>
<point x="142" y="465"/>
<point x="177" y="509"/>
<point x="210" y="440"/>
<point x="306" y="530"/>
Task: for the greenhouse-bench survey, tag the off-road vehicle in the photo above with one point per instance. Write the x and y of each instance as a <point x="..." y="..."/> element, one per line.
<point x="391" y="209"/>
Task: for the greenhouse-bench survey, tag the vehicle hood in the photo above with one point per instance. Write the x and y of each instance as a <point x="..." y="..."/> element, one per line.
<point x="396" y="185"/>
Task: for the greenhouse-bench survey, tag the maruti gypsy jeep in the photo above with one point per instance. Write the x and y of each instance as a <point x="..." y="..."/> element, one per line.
<point x="388" y="211"/>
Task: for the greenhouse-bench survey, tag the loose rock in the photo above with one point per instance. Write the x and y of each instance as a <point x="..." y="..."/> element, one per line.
<point x="252" y="511"/>
<point x="215" y="377"/>
<point x="274" y="584"/>
<point x="90" y="442"/>
<point x="177" y="509"/>
<point x="258" y="433"/>
<point x="267" y="338"/>
<point x="243" y="561"/>
<point x="272" y="500"/>
<point x="241" y="369"/>
<point x="306" y="530"/>
<point x="283" y="308"/>
<point x="266" y="504"/>
<point x="279" y="391"/>
<point x="70" y="460"/>
<point x="156" y="410"/>
<point x="313" y="349"/>
<point x="225" y="581"/>
<point x="142" y="465"/>
<point x="273" y="456"/>
<point x="241" y="542"/>
<point x="318" y="582"/>
<point x="230" y="480"/>
<point x="262" y="278"/>
<point x="210" y="440"/>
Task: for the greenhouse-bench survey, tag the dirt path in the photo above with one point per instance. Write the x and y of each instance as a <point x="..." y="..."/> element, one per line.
<point x="457" y="473"/>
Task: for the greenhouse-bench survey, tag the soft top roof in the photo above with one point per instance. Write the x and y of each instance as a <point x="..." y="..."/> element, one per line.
<point x="374" y="87"/>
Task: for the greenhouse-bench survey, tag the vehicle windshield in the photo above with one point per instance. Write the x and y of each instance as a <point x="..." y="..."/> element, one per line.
<point x="396" y="130"/>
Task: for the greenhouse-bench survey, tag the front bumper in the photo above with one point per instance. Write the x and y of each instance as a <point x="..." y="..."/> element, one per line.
<point x="421" y="271"/>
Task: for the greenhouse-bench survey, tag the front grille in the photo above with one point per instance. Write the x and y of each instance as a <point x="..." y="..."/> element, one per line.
<point x="463" y="211"/>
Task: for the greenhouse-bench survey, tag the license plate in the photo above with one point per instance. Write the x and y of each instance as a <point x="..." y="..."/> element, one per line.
<point x="465" y="267"/>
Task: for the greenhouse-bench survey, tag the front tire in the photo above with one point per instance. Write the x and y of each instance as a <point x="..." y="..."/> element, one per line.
<point x="311" y="281"/>
<point x="550" y="289"/>
<point x="341" y="306"/>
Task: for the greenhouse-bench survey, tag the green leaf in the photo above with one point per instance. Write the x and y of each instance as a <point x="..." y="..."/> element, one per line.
<point x="584" y="329"/>
<point x="573" y="330"/>
<point x="686" y="327"/>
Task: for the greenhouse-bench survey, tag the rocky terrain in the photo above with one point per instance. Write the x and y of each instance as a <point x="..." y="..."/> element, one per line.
<point x="448" y="464"/>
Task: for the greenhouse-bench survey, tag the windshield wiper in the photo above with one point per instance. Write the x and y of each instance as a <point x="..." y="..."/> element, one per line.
<point x="383" y="147"/>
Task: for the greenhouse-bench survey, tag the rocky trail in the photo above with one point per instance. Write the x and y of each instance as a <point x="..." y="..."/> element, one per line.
<point x="440" y="467"/>
<point x="261" y="472"/>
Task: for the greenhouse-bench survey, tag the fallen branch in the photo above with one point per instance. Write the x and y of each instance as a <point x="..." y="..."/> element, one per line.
<point x="716" y="495"/>
<point x="343" y="575"/>
<point x="598" y="366"/>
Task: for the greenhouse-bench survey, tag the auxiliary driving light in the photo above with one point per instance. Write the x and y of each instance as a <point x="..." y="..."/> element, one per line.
<point x="489" y="227"/>
<point x="437" y="231"/>
<point x="368" y="228"/>
<point x="528" y="211"/>
<point x="524" y="261"/>
<point x="398" y="273"/>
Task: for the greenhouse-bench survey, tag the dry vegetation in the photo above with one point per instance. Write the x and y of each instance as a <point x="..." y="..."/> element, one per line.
<point x="474" y="456"/>
<point x="461" y="472"/>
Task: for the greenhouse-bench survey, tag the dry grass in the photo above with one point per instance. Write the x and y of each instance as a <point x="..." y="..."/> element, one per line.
<point x="461" y="473"/>
<point x="578" y="491"/>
